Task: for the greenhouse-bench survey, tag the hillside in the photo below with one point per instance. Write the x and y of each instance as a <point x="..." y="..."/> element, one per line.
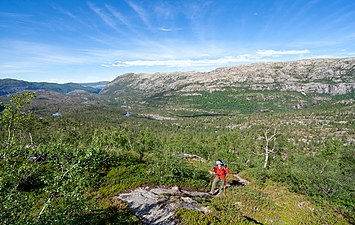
<point x="11" y="86"/>
<point x="324" y="76"/>
<point x="260" y="87"/>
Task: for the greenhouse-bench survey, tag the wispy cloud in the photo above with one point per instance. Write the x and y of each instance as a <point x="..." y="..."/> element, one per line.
<point x="8" y="19"/>
<point x="65" y="12"/>
<point x="18" y="67"/>
<point x="140" y="12"/>
<point x="197" y="15"/>
<point x="165" y="29"/>
<point x="260" y="55"/>
<point x="322" y="56"/>
<point x="315" y="43"/>
<point x="278" y="53"/>
<point x="165" y="10"/>
<point x="34" y="54"/>
<point x="340" y="17"/>
<point x="169" y="29"/>
<point x="105" y="17"/>
<point x="180" y="62"/>
<point x="118" y="15"/>
<point x="15" y="15"/>
<point x="167" y="14"/>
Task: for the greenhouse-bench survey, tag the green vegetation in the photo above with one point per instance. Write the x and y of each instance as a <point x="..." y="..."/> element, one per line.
<point x="64" y="170"/>
<point x="268" y="204"/>
<point x="244" y="102"/>
<point x="11" y="86"/>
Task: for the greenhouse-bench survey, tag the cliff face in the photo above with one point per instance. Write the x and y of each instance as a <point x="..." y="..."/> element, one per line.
<point x="324" y="76"/>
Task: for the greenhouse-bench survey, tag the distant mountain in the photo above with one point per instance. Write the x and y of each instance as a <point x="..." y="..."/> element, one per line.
<point x="323" y="76"/>
<point x="97" y="85"/>
<point x="258" y="87"/>
<point x="10" y="86"/>
<point x="254" y="88"/>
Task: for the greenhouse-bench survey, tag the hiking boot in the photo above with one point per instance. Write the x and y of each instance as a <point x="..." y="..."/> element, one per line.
<point x="213" y="193"/>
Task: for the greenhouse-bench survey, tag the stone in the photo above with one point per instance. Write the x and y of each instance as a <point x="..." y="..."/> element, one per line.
<point x="158" y="205"/>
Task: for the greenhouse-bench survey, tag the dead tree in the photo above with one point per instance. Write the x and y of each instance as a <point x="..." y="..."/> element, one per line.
<point x="267" y="145"/>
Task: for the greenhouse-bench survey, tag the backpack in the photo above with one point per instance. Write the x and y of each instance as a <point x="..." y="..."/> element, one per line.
<point x="223" y="163"/>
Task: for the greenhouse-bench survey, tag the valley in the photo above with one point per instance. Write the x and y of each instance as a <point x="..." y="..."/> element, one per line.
<point x="287" y="127"/>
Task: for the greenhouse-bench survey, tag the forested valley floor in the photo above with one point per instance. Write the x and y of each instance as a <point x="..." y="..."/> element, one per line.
<point x="66" y="169"/>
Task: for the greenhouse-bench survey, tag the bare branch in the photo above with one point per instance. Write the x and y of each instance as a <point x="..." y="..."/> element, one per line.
<point x="52" y="194"/>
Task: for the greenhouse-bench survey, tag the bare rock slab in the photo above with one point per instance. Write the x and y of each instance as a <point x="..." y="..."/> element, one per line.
<point x="159" y="205"/>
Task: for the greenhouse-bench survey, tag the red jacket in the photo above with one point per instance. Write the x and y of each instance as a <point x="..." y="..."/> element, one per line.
<point x="220" y="172"/>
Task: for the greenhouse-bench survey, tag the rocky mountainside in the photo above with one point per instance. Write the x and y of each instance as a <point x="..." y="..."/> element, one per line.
<point x="323" y="76"/>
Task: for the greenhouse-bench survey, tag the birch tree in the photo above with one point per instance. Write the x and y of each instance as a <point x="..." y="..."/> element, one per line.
<point x="14" y="120"/>
<point x="269" y="138"/>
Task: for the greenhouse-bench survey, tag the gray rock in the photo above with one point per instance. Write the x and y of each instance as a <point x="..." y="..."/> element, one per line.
<point x="325" y="76"/>
<point x="159" y="205"/>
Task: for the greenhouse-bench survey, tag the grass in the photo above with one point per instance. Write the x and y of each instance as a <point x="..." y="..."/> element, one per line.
<point x="270" y="203"/>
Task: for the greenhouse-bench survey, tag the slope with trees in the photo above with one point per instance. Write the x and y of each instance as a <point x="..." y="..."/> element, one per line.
<point x="295" y="148"/>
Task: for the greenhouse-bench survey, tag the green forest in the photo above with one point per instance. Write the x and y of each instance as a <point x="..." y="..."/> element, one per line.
<point x="66" y="169"/>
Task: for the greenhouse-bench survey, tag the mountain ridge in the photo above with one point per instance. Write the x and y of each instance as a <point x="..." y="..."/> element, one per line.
<point x="11" y="86"/>
<point x="324" y="76"/>
<point x="251" y="88"/>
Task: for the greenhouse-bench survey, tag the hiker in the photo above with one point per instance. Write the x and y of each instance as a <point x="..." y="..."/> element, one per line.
<point x="220" y="171"/>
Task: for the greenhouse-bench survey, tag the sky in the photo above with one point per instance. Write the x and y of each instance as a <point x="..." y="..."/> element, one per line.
<point x="97" y="40"/>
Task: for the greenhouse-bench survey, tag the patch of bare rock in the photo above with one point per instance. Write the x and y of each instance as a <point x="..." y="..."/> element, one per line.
<point x="158" y="205"/>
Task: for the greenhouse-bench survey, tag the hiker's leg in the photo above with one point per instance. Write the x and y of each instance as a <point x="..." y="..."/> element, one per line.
<point x="223" y="184"/>
<point x="215" y="180"/>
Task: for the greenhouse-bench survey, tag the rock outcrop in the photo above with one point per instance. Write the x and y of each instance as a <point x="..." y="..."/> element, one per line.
<point x="158" y="205"/>
<point x="324" y="76"/>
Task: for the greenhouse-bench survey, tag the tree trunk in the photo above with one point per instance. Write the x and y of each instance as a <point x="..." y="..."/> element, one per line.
<point x="267" y="150"/>
<point x="29" y="134"/>
<point x="266" y="159"/>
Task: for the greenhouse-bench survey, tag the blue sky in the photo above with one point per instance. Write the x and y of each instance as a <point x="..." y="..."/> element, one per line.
<point x="86" y="41"/>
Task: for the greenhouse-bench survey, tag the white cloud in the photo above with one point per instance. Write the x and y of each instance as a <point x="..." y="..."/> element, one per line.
<point x="165" y="29"/>
<point x="183" y="62"/>
<point x="35" y="56"/>
<point x="105" y="65"/>
<point x="260" y="55"/>
<point x="278" y="53"/>
<point x="323" y="57"/>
